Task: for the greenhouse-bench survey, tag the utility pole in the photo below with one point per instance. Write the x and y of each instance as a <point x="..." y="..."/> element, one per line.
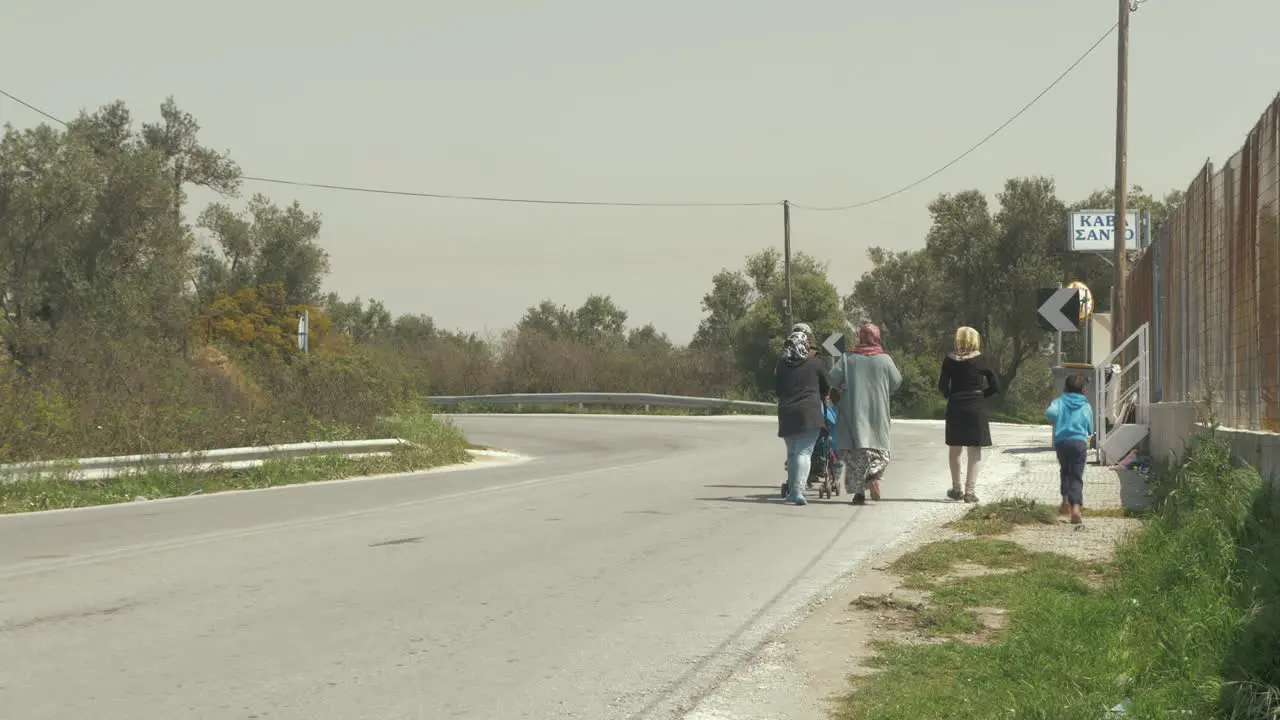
<point x="1122" y="184"/>
<point x="786" y="258"/>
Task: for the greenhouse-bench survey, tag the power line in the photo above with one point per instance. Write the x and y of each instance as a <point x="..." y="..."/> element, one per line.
<point x="490" y="198"/>
<point x="445" y="196"/>
<point x="672" y="204"/>
<point x="977" y="145"/>
<point x="30" y="107"/>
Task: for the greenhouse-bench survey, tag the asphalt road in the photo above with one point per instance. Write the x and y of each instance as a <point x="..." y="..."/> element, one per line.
<point x="618" y="574"/>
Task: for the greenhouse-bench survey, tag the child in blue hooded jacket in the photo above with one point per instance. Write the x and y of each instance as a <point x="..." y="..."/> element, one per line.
<point x="1072" y="419"/>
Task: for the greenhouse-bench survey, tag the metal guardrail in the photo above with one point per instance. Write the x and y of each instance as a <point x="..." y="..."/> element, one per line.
<point x="104" y="467"/>
<point x="646" y="400"/>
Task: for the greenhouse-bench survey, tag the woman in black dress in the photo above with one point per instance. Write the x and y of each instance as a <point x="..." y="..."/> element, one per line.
<point x="967" y="380"/>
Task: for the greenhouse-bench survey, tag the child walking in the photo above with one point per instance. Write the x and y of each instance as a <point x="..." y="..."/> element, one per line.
<point x="1072" y="419"/>
<point x="831" y="410"/>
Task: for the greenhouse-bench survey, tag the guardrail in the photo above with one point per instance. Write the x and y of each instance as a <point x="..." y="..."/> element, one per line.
<point x="225" y="458"/>
<point x="645" y="400"/>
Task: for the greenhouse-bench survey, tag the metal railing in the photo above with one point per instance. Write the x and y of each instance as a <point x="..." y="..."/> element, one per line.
<point x="225" y="458"/>
<point x="582" y="399"/>
<point x="1129" y="394"/>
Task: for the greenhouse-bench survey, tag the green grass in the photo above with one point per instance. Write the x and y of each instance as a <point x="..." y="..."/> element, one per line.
<point x="434" y="444"/>
<point x="1000" y="517"/>
<point x="1184" y="623"/>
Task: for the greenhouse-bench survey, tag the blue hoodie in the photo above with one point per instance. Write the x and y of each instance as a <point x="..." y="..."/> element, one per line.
<point x="1072" y="418"/>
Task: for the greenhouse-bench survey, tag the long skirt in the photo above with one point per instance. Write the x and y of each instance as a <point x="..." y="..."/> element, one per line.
<point x="862" y="465"/>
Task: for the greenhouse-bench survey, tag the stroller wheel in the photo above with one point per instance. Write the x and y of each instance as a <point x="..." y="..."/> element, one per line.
<point x="784" y="490"/>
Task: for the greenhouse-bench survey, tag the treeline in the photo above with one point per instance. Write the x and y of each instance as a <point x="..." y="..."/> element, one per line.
<point x="981" y="266"/>
<point x="129" y="328"/>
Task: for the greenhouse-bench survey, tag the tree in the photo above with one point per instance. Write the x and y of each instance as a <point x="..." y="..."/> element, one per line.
<point x="745" y="311"/>
<point x="265" y="244"/>
<point x="900" y="294"/>
<point x="364" y="324"/>
<point x="84" y="236"/>
<point x="649" y="340"/>
<point x="598" y="321"/>
<point x="726" y="306"/>
<point x="185" y="159"/>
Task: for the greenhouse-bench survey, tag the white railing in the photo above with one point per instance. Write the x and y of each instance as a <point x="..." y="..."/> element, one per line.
<point x="1136" y="396"/>
<point x="645" y="400"/>
<point x="225" y="458"/>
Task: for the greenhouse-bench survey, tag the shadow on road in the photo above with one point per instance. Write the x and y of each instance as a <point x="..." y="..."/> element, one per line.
<point x="1027" y="450"/>
<point x="774" y="496"/>
<point x="813" y="499"/>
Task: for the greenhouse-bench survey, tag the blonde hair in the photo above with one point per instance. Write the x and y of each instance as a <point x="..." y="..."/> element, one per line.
<point x="968" y="342"/>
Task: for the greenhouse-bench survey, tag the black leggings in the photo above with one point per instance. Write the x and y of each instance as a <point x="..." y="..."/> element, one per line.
<point x="1072" y="455"/>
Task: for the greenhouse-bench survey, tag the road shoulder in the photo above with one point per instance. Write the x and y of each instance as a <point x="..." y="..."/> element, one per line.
<point x="804" y="670"/>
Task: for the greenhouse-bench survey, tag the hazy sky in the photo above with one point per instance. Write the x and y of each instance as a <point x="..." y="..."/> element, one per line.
<point x="821" y="102"/>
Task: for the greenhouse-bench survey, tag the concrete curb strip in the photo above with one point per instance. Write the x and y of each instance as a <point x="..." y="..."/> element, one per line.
<point x="486" y="460"/>
<point x="105" y="467"/>
<point x="599" y="398"/>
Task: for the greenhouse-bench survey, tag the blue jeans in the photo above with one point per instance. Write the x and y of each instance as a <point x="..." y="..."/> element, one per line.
<point x="1073" y="455"/>
<point x="799" y="455"/>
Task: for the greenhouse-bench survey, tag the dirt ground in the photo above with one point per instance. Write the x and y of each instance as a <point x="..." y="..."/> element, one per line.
<point x="800" y="674"/>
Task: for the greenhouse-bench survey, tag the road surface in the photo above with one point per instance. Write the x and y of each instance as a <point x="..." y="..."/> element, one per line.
<point x="618" y="574"/>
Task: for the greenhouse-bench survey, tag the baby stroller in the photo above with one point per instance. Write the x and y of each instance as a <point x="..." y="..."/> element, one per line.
<point x="824" y="468"/>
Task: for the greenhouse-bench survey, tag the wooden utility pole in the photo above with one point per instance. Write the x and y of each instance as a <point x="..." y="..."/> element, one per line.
<point x="1119" y="297"/>
<point x="786" y="258"/>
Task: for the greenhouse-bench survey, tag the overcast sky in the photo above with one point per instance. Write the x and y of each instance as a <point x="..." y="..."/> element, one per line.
<point x="822" y="102"/>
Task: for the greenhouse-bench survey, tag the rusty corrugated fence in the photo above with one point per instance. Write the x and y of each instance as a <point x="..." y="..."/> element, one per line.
<point x="1210" y="286"/>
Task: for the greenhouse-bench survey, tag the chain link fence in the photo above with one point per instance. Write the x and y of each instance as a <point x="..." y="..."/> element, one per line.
<point x="1209" y="284"/>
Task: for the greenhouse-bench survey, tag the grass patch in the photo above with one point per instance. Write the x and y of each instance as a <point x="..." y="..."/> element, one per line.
<point x="1000" y="517"/>
<point x="435" y="443"/>
<point x="1186" y="624"/>
<point x="936" y="559"/>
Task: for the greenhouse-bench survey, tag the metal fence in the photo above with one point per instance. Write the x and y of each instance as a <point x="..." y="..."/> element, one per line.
<point x="1209" y="284"/>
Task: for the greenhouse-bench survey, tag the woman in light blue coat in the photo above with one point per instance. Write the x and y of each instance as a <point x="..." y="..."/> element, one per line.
<point x="868" y="378"/>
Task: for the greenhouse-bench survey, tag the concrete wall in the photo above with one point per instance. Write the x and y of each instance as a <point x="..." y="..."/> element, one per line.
<point x="1260" y="449"/>
<point x="1172" y="424"/>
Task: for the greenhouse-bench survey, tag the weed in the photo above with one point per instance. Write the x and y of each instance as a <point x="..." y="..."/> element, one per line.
<point x="1000" y="517"/>
<point x="935" y="559"/>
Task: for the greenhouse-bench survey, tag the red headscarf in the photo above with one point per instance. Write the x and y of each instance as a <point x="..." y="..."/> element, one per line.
<point x="868" y="340"/>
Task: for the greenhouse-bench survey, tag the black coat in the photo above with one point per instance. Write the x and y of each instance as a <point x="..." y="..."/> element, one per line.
<point x="966" y="384"/>
<point x="801" y="388"/>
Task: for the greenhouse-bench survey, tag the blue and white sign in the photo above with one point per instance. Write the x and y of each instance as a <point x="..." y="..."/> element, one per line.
<point x="1094" y="230"/>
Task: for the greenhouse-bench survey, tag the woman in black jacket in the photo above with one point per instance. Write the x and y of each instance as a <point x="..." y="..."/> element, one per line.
<point x="966" y="381"/>
<point x="801" y="383"/>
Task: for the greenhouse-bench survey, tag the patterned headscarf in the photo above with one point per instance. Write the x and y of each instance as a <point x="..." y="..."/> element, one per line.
<point x="868" y="340"/>
<point x="796" y="347"/>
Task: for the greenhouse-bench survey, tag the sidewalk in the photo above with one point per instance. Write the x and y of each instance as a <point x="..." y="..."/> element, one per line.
<point x="1104" y="487"/>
